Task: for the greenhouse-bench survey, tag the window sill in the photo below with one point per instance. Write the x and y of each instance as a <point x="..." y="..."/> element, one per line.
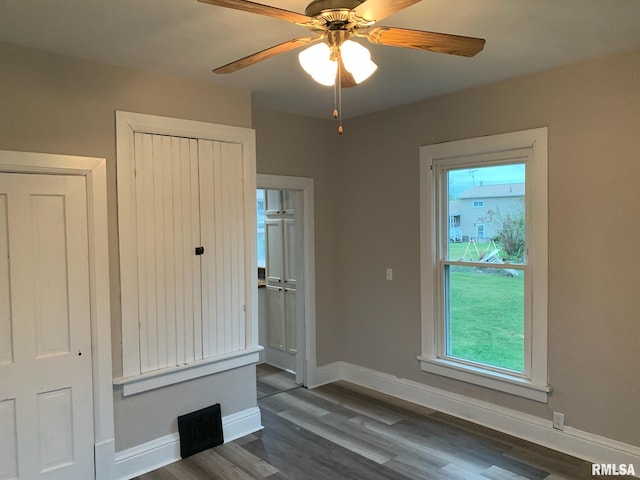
<point x="486" y="378"/>
<point x="169" y="376"/>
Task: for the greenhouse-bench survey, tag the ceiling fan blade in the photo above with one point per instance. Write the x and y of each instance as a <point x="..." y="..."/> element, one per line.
<point x="372" y="11"/>
<point x="431" y="41"/>
<point x="260" y="9"/>
<point x="264" y="54"/>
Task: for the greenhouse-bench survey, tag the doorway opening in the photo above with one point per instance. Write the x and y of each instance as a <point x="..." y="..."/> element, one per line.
<point x="286" y="293"/>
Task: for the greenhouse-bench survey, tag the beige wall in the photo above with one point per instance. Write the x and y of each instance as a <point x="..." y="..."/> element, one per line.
<point x="367" y="213"/>
<point x="593" y="114"/>
<point x="369" y="193"/>
<point x="56" y="104"/>
<point x="305" y="147"/>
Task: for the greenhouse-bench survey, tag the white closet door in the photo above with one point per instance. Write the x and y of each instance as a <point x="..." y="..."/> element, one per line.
<point x="46" y="415"/>
<point x="168" y="271"/>
<point x="290" y="320"/>
<point x="275" y="313"/>
<point x="222" y="223"/>
<point x="290" y="251"/>
<point x="274" y="239"/>
<point x="273" y="202"/>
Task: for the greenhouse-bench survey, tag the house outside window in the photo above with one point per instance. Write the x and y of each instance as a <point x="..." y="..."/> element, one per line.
<point x="478" y="203"/>
<point x="484" y="315"/>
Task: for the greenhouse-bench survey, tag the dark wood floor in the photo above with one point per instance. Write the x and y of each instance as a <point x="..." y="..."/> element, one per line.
<point x="272" y="380"/>
<point x="341" y="431"/>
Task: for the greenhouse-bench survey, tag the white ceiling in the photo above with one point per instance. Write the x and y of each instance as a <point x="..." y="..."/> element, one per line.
<point x="187" y="38"/>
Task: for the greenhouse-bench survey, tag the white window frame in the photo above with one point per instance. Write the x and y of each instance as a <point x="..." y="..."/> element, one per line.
<point x="478" y="203"/>
<point x="533" y="383"/>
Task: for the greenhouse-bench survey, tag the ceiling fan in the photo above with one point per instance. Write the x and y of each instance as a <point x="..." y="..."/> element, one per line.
<point x="335" y="58"/>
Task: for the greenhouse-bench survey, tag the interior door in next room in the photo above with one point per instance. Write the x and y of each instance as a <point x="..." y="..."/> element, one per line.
<point x="46" y="415"/>
<point x="282" y="309"/>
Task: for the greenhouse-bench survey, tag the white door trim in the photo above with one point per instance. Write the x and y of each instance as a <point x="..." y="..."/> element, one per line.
<point x="94" y="171"/>
<point x="305" y="186"/>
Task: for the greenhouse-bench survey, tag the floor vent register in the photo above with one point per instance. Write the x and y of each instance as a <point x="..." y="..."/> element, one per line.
<point x="200" y="430"/>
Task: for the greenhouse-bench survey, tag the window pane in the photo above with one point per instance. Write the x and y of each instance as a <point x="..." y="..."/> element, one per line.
<point x="261" y="240"/>
<point x="486" y="213"/>
<point x="485" y="321"/>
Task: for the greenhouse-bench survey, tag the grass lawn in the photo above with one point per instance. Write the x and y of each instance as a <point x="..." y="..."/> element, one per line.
<point x="457" y="250"/>
<point x="486" y="317"/>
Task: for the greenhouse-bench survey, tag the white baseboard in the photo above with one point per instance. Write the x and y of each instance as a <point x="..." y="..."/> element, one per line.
<point x="326" y="374"/>
<point x="161" y="451"/>
<point x="104" y="453"/>
<point x="588" y="446"/>
<point x="243" y="423"/>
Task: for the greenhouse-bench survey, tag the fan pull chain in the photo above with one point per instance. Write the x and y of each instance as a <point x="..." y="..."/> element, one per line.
<point x="337" y="92"/>
<point x="340" y="129"/>
<point x="335" y="99"/>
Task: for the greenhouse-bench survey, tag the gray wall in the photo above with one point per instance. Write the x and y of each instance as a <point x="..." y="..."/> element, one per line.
<point x="305" y="147"/>
<point x="592" y="110"/>
<point x="367" y="214"/>
<point x="56" y="104"/>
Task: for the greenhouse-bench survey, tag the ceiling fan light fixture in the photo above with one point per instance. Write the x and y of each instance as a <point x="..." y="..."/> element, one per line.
<point x="357" y="60"/>
<point x="316" y="61"/>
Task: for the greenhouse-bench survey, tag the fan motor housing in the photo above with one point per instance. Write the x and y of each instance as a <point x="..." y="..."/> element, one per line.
<point x="331" y="10"/>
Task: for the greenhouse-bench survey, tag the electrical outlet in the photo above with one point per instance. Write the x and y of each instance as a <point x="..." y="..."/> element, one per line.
<point x="558" y="420"/>
<point x="389" y="274"/>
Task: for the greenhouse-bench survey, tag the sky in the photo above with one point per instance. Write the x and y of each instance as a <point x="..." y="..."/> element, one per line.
<point x="461" y="180"/>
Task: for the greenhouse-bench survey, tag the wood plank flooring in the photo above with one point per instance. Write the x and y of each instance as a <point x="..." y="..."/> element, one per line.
<point x="341" y="431"/>
<point x="272" y="380"/>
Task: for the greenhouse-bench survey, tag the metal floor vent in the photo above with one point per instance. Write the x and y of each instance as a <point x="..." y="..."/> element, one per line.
<point x="200" y="430"/>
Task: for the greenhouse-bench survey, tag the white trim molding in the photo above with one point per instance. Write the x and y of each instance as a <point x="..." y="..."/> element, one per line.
<point x="95" y="172"/>
<point x="527" y="147"/>
<point x="572" y="441"/>
<point x="169" y="376"/>
<point x="135" y="378"/>
<point x="162" y="451"/>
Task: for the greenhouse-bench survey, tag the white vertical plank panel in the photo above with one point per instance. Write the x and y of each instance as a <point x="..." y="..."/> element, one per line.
<point x="141" y="299"/>
<point x="224" y="189"/>
<point x="221" y="241"/>
<point x="159" y="174"/>
<point x="8" y="440"/>
<point x="147" y="249"/>
<point x="51" y="299"/>
<point x="233" y="154"/>
<point x="198" y="309"/>
<point x="6" y="327"/>
<point x="206" y="161"/>
<point x="129" y="223"/>
<point x="169" y="300"/>
<point x="179" y="197"/>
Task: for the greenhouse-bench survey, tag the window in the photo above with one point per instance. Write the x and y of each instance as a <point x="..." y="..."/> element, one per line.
<point x="478" y="203"/>
<point x="484" y="300"/>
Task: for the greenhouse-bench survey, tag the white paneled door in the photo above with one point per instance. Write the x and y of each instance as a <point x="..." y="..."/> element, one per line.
<point x="46" y="415"/>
